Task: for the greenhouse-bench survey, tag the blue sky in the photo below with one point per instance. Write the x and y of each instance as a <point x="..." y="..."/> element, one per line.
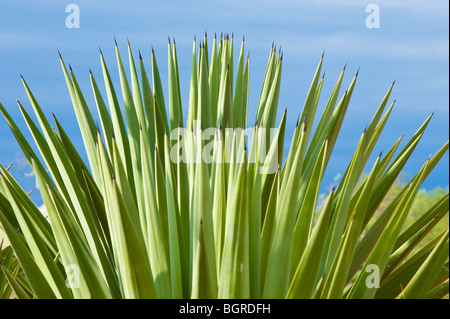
<point x="411" y="47"/>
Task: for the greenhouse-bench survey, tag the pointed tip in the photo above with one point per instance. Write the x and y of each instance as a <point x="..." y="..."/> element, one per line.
<point x="393" y="83"/>
<point x="153" y="51"/>
<point x="90" y="71"/>
<point x="195" y="38"/>
<point x="345" y="66"/>
<point x="115" y="41"/>
<point x="59" y="53"/>
<point x="381" y="153"/>
<point x="333" y="189"/>
<point x="21" y="76"/>
<point x="128" y="42"/>
<point x="323" y="53"/>
<point x="323" y="75"/>
<point x="101" y="53"/>
<point x="357" y="72"/>
<point x="140" y="56"/>
<point x="70" y="67"/>
<point x="168" y="38"/>
<point x="243" y="38"/>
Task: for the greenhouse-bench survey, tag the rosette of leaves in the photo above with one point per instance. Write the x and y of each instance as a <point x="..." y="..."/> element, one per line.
<point x="147" y="216"/>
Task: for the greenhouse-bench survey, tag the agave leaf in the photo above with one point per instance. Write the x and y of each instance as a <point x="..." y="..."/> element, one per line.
<point x="309" y="108"/>
<point x="435" y="213"/>
<point x="16" y="287"/>
<point x="394" y="283"/>
<point x="234" y="281"/>
<point x="37" y="247"/>
<point x="31" y="269"/>
<point x="238" y="120"/>
<point x="202" y="238"/>
<point x="84" y="116"/>
<point x="128" y="242"/>
<point x="105" y="117"/>
<point x="268" y="217"/>
<point x="385" y="244"/>
<point x="303" y="225"/>
<point x="320" y="134"/>
<point x="338" y="273"/>
<point x="193" y="92"/>
<point x="157" y="86"/>
<point x="266" y="85"/>
<point x="173" y="221"/>
<point x="368" y="241"/>
<point x="6" y="256"/>
<point x="421" y="282"/>
<point x="439" y="291"/>
<point x="342" y="215"/>
<point x="156" y="241"/>
<point x="120" y="132"/>
<point x="403" y="251"/>
<point x="279" y="257"/>
<point x="204" y="113"/>
<point x="304" y="279"/>
<point x="175" y="114"/>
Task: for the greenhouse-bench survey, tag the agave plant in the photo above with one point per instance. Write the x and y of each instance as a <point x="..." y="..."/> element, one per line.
<point x="165" y="209"/>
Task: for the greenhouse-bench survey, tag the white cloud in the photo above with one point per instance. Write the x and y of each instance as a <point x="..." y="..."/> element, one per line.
<point x="43" y="210"/>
